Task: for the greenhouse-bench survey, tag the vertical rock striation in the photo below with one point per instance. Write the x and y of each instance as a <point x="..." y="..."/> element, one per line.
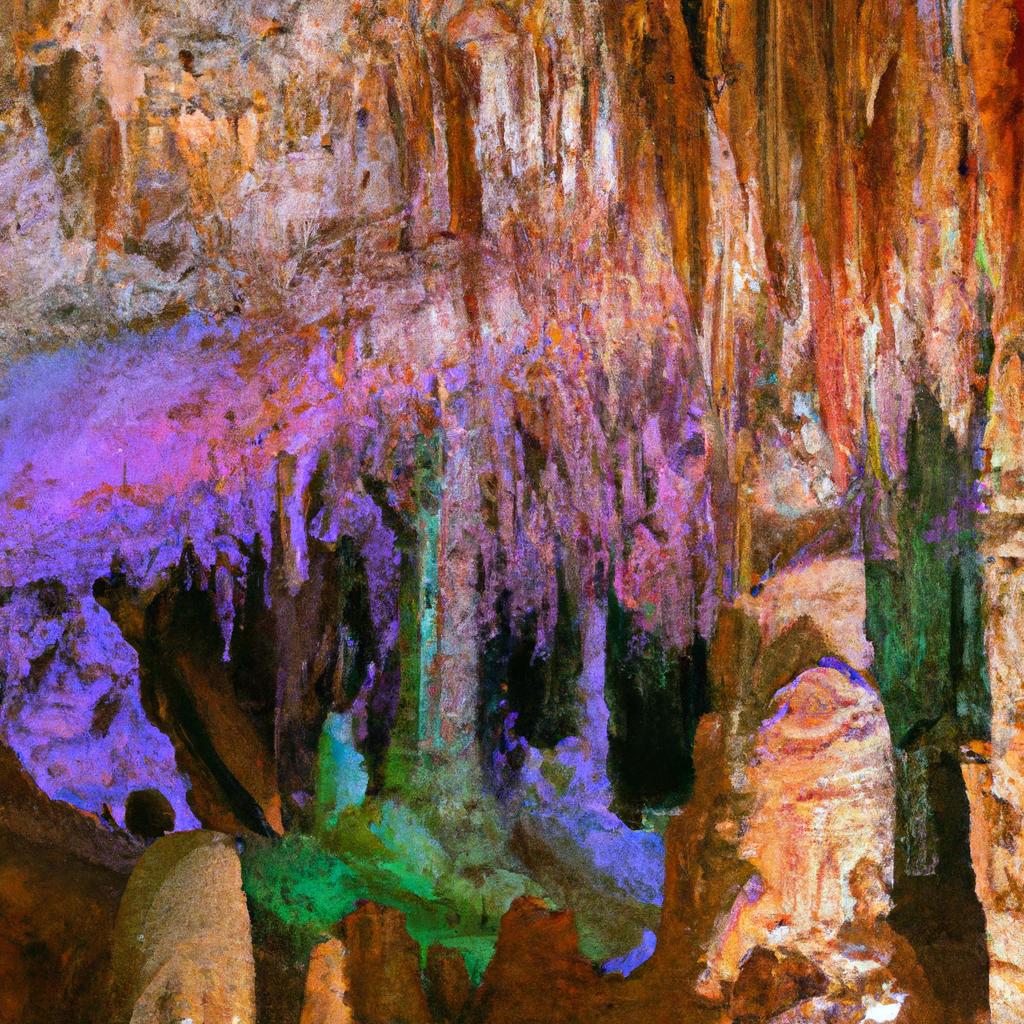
<point x="470" y="369"/>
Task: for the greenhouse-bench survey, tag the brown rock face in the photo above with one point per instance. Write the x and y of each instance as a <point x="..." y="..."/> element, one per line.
<point x="383" y="967"/>
<point x="448" y="984"/>
<point x="182" y="947"/>
<point x="768" y="984"/>
<point x="994" y="774"/>
<point x="61" y="876"/>
<point x="702" y="869"/>
<point x="56" y="917"/>
<point x="327" y="984"/>
<point x="537" y="975"/>
<point x="996" y="824"/>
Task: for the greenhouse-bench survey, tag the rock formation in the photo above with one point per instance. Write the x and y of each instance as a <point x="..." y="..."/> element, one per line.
<point x="384" y="967"/>
<point x="537" y="972"/>
<point x="823" y="806"/>
<point x="440" y="441"/>
<point x="58" y="902"/>
<point x="327" y="982"/>
<point x="995" y="827"/>
<point x="182" y="949"/>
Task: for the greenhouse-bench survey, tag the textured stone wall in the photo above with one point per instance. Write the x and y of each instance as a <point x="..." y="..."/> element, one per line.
<point x="714" y="308"/>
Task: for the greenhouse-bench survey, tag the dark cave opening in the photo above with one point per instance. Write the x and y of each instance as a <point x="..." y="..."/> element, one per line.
<point x="939" y="913"/>
<point x="656" y="695"/>
<point x="538" y="687"/>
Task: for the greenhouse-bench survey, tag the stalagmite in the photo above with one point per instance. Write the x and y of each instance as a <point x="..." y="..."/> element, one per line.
<point x="593" y="706"/>
<point x="383" y="967"/>
<point x="822" y="780"/>
<point x="182" y="947"/>
<point x="452" y="677"/>
<point x="326" y="999"/>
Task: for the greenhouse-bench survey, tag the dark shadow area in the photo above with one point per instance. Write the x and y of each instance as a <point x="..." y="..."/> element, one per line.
<point x="925" y="622"/>
<point x="939" y="913"/>
<point x="186" y="688"/>
<point x="538" y="686"/>
<point x="656" y="695"/>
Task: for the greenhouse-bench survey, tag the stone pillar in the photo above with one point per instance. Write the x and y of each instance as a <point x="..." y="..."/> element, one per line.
<point x="995" y="782"/>
<point x="452" y="688"/>
<point x="594" y="715"/>
<point x="822" y="781"/>
<point x="182" y="943"/>
<point x="384" y="984"/>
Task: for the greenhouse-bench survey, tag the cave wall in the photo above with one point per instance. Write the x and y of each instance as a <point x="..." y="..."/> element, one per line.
<point x="360" y="355"/>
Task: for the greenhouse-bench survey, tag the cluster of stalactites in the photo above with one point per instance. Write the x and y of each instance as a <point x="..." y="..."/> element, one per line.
<point x="761" y="173"/>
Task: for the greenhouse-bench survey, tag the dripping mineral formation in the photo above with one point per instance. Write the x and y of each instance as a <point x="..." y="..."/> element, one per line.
<point x="511" y="512"/>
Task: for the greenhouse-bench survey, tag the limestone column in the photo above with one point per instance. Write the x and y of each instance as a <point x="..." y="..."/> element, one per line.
<point x="449" y="722"/>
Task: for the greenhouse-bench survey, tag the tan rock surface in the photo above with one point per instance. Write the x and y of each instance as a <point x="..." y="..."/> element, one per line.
<point x="822" y="781"/>
<point x="830" y="593"/>
<point x="182" y="946"/>
<point x="327" y="984"/>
